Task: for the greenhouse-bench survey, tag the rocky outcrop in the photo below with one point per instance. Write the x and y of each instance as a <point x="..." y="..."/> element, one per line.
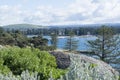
<point x="63" y="60"/>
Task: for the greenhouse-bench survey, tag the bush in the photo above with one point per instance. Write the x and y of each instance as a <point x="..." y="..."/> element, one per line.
<point x="20" y="59"/>
<point x="82" y="70"/>
<point x="24" y="76"/>
<point x="4" y="69"/>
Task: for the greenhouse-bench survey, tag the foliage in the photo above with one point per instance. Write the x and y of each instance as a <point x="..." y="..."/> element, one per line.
<point x="54" y="40"/>
<point x="20" y="59"/>
<point x="24" y="76"/>
<point x="78" y="70"/>
<point x="16" y="38"/>
<point x="46" y="48"/>
<point x="41" y="43"/>
<point x="84" y="71"/>
<point x="81" y="70"/>
<point x="107" y="47"/>
<point x="1" y="30"/>
<point x="6" y="39"/>
<point x="71" y="43"/>
<point x="20" y="39"/>
<point x="3" y="68"/>
<point x="38" y="41"/>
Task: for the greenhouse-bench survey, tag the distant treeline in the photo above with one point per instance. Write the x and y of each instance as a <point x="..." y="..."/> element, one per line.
<point x="61" y="31"/>
<point x="21" y="40"/>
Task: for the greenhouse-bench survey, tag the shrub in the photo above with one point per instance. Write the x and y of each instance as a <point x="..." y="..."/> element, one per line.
<point x="3" y="69"/>
<point x="81" y="70"/>
<point x="20" y="59"/>
<point x="46" y="48"/>
<point x="85" y="70"/>
<point x="24" y="76"/>
<point x="78" y="70"/>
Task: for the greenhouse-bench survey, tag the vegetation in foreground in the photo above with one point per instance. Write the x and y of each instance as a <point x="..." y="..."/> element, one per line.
<point x="82" y="70"/>
<point x="78" y="70"/>
<point x="16" y="60"/>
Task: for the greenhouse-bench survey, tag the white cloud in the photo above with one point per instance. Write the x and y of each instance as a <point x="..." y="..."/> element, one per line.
<point x="86" y="11"/>
<point x="10" y="15"/>
<point x="99" y="11"/>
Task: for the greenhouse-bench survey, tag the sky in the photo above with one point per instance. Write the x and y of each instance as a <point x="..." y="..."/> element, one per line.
<point x="59" y="12"/>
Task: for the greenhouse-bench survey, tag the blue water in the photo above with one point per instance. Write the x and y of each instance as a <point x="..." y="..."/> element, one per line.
<point x="82" y="42"/>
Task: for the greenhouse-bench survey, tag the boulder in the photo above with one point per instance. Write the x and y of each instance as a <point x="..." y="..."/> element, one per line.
<point x="63" y="60"/>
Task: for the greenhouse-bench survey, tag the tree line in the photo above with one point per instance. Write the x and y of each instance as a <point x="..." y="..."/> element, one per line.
<point x="61" y="31"/>
<point x="17" y="38"/>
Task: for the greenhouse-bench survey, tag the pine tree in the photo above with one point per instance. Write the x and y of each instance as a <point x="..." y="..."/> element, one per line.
<point x="71" y="43"/>
<point x="107" y="47"/>
<point x="54" y="40"/>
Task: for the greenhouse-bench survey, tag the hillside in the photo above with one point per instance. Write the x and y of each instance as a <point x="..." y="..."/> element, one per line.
<point x="87" y="25"/>
<point x="22" y="26"/>
<point x="30" y="26"/>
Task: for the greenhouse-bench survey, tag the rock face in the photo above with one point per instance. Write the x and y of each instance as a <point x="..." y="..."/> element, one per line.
<point x="63" y="60"/>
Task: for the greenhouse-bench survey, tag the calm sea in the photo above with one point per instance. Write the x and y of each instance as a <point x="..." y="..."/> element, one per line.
<point x="82" y="41"/>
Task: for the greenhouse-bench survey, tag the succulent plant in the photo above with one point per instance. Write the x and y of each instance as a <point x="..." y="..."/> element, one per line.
<point x="83" y="70"/>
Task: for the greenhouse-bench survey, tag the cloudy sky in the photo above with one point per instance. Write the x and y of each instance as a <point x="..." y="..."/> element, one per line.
<point x="56" y="12"/>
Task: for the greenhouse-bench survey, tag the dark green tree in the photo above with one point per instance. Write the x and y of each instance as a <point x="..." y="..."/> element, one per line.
<point x="20" y="39"/>
<point x="38" y="41"/>
<point x="16" y="38"/>
<point x="1" y="30"/>
<point x="106" y="47"/>
<point x="54" y="40"/>
<point x="71" y="43"/>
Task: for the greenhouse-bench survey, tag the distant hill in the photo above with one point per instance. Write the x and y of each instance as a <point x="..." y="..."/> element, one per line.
<point x="31" y="26"/>
<point x="81" y="29"/>
<point x="87" y="25"/>
<point x="22" y="26"/>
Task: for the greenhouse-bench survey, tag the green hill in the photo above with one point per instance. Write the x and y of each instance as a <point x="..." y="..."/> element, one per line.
<point x="23" y="26"/>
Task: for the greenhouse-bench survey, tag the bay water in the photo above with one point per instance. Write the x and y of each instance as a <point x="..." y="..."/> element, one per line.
<point x="82" y="41"/>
